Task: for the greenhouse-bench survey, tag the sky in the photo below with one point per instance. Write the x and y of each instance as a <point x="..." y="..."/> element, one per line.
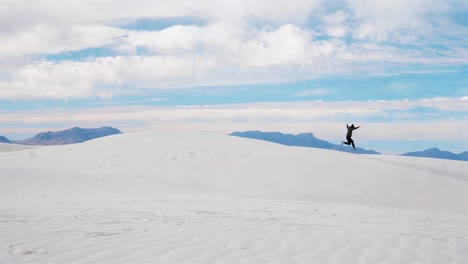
<point x="398" y="68"/>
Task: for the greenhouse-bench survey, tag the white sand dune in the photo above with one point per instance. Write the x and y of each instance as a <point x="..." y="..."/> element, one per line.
<point x="4" y="147"/>
<point x="199" y="197"/>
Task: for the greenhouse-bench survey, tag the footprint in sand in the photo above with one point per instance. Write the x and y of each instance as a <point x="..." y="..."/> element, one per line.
<point x="22" y="251"/>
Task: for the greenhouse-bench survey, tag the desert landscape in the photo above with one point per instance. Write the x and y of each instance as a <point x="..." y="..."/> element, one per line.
<point x="207" y="197"/>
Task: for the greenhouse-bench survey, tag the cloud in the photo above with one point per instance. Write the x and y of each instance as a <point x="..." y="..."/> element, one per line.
<point x="313" y="92"/>
<point x="429" y="25"/>
<point x="281" y="55"/>
<point x="49" y="39"/>
<point x="397" y="20"/>
<point x="285" y="46"/>
<point x="63" y="80"/>
<point x="229" y="44"/>
<point x="183" y="39"/>
<point x="241" y="42"/>
<point x="382" y="119"/>
<point x="446" y="104"/>
<point x="335" y="24"/>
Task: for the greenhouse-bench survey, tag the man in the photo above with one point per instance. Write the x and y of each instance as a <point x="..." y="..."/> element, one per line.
<point x="349" y="135"/>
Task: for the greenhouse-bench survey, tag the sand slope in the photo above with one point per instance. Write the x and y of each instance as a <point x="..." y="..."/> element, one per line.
<point x="4" y="147"/>
<point x="198" y="197"/>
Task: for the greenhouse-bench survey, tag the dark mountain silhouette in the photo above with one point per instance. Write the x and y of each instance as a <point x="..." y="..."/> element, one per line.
<point x="69" y="136"/>
<point x="439" y="154"/>
<point x="303" y="140"/>
<point x="4" y="140"/>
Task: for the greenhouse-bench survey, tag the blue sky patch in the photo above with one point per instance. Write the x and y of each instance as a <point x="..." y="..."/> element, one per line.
<point x="154" y="24"/>
<point x="84" y="54"/>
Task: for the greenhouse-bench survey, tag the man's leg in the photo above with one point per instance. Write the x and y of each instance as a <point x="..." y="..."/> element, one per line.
<point x="348" y="142"/>
<point x="352" y="142"/>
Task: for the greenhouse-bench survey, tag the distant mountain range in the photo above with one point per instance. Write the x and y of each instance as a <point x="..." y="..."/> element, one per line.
<point x="4" y="140"/>
<point x="439" y="154"/>
<point x="304" y="140"/>
<point x="69" y="136"/>
<point x="77" y="135"/>
<point x="309" y="140"/>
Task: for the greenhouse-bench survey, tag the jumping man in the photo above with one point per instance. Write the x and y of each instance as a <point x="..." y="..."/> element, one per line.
<point x="349" y="135"/>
